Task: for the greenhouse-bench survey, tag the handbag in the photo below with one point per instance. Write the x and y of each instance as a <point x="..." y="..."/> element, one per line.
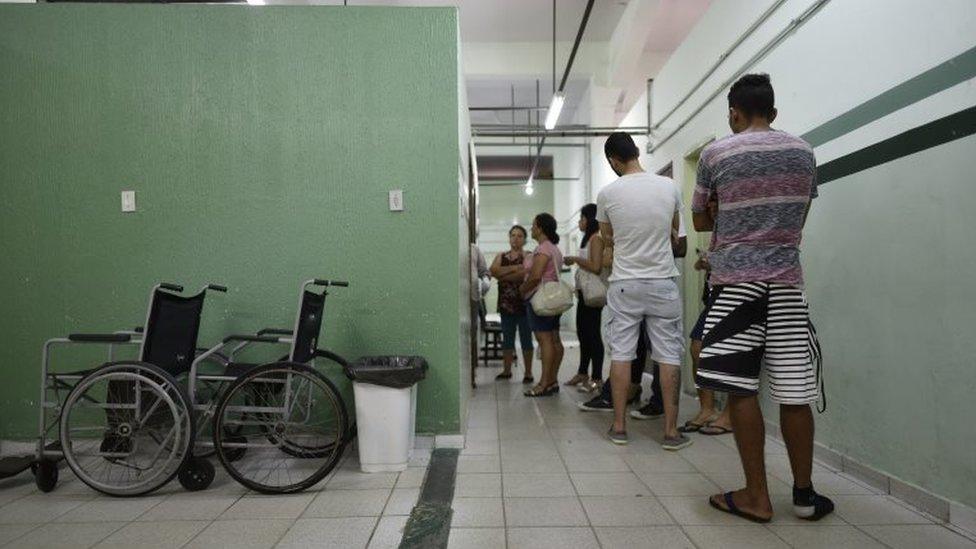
<point x="593" y="288"/>
<point x="552" y="298"/>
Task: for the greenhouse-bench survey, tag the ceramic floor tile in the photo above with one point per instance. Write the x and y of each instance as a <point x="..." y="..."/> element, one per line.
<point x="388" y="533"/>
<point x="38" y="508"/>
<point x="526" y="512"/>
<point x="609" y="484"/>
<point x="596" y="464"/>
<point x="678" y="484"/>
<point x="357" y="480"/>
<point x="196" y="506"/>
<point x="269" y="507"/>
<point x="413" y="477"/>
<point x="869" y="510"/>
<point x="67" y="535"/>
<point x="658" y="463"/>
<point x="153" y="535"/>
<point x="532" y="463"/>
<point x="824" y="536"/>
<point x="479" y="464"/>
<point x="10" y="532"/>
<point x="338" y="533"/>
<point x="647" y="537"/>
<point x="241" y="534"/>
<point x="750" y="536"/>
<point x="625" y="511"/>
<point x="906" y="537"/>
<point x="477" y="513"/>
<point x="348" y="503"/>
<point x="478" y="486"/>
<point x="552" y="538"/>
<point x="402" y="501"/>
<point x="476" y="538"/>
<point x="536" y="485"/>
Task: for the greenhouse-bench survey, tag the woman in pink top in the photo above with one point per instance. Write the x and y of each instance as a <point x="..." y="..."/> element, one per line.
<point x="543" y="266"/>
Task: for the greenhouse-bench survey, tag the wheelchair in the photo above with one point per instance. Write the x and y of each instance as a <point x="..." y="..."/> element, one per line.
<point x="124" y="428"/>
<point x="279" y="427"/>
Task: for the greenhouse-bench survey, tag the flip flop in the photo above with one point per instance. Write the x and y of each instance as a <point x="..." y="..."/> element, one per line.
<point x="716" y="430"/>
<point x="528" y="379"/>
<point x="690" y="427"/>
<point x="733" y="510"/>
<point x="503" y="376"/>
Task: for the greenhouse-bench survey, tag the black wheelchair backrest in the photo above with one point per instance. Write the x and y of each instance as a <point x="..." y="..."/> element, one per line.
<point x="309" y="324"/>
<point x="170" y="339"/>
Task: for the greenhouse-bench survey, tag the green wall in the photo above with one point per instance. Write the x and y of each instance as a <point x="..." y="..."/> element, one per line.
<point x="888" y="258"/>
<point x="261" y="143"/>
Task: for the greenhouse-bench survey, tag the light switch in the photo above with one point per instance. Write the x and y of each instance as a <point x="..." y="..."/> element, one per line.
<point x="128" y="201"/>
<point x="396" y="200"/>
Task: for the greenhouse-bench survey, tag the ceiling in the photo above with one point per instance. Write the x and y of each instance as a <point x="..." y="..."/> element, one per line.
<point x="516" y="20"/>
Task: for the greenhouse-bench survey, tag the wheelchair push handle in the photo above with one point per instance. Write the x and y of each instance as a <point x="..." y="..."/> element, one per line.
<point x="171" y="287"/>
<point x="217" y="288"/>
<point x="323" y="282"/>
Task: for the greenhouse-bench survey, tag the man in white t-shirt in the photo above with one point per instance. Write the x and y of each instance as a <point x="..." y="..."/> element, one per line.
<point x="640" y="214"/>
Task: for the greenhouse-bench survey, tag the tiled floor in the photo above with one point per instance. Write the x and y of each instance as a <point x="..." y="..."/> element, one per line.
<point x="539" y="473"/>
<point x="536" y="473"/>
<point x="348" y="509"/>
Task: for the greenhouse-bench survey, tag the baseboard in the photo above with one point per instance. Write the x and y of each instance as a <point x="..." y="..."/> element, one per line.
<point x="950" y="512"/>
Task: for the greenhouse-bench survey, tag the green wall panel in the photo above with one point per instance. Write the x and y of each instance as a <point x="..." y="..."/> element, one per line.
<point x="261" y="143"/>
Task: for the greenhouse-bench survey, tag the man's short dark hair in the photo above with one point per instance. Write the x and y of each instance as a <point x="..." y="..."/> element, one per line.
<point x="752" y="95"/>
<point x="620" y="146"/>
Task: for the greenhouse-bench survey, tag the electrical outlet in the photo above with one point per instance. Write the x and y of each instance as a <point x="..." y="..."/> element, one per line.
<point x="396" y="200"/>
<point x="128" y="201"/>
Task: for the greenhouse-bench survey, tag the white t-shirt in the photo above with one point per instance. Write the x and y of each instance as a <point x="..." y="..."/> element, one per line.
<point x="640" y="207"/>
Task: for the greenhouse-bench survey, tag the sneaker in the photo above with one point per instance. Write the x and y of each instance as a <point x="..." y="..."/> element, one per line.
<point x="617" y="438"/>
<point x="651" y="410"/>
<point x="596" y="404"/>
<point x="676" y="443"/>
<point x="809" y="505"/>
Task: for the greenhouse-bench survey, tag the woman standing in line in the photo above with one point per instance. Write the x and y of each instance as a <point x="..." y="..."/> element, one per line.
<point x="588" y="319"/>
<point x="508" y="268"/>
<point x="543" y="266"/>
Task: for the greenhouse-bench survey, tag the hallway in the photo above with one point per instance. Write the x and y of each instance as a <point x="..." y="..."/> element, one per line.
<point x="539" y="473"/>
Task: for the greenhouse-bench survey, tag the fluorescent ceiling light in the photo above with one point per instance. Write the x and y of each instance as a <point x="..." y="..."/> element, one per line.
<point x="529" y="190"/>
<point x="555" y="107"/>
<point x="256" y="2"/>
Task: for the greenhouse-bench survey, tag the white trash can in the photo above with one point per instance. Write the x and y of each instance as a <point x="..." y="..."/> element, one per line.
<point x="385" y="390"/>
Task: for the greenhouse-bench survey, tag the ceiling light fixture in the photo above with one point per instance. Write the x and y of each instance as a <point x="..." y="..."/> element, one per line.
<point x="256" y="2"/>
<point x="529" y="190"/>
<point x="555" y="107"/>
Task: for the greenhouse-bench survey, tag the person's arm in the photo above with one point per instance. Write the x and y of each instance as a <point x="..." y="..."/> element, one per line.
<point x="497" y="270"/>
<point x="606" y="231"/>
<point x="594" y="260"/>
<point x="679" y="242"/>
<point x="535" y="275"/>
<point x="515" y="274"/>
<point x="704" y="206"/>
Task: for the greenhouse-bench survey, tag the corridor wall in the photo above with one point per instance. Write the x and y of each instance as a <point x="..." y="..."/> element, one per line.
<point x="885" y="92"/>
<point x="261" y="143"/>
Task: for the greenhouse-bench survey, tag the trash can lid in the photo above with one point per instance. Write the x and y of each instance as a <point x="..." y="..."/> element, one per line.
<point x="397" y="371"/>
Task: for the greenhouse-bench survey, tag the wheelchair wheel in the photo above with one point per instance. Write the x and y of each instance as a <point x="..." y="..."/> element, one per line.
<point x="126" y="428"/>
<point x="45" y="474"/>
<point x="293" y="421"/>
<point x="299" y="448"/>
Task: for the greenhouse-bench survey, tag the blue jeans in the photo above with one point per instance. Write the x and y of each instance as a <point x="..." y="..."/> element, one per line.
<point x="509" y="325"/>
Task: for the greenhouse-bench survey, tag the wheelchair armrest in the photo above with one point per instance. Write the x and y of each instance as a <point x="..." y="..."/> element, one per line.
<point x="100" y="338"/>
<point x="274" y="331"/>
<point x="253" y="338"/>
<point x="138" y="329"/>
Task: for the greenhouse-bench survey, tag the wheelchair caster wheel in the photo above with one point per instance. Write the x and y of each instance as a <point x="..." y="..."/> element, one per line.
<point x="237" y="452"/>
<point x="197" y="474"/>
<point x="45" y="474"/>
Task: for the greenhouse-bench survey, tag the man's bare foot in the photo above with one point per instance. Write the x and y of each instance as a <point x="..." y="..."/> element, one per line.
<point x="755" y="509"/>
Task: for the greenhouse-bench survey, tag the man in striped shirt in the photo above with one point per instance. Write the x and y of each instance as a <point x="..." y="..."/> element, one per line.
<point x="754" y="190"/>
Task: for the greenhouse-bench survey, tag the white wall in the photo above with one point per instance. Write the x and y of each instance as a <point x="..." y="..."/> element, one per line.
<point x="885" y="258"/>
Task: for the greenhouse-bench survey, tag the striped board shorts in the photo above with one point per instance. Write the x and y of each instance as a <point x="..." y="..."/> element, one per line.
<point x="753" y="324"/>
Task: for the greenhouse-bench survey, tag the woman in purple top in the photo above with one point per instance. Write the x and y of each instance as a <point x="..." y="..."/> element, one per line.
<point x="543" y="266"/>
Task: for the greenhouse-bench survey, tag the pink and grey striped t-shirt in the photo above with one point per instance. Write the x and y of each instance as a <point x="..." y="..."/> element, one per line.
<point x="763" y="181"/>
